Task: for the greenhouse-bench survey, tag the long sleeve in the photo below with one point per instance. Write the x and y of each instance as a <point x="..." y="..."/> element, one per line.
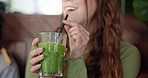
<point x="29" y="74"/>
<point x="130" y="58"/>
<point x="76" y="68"/>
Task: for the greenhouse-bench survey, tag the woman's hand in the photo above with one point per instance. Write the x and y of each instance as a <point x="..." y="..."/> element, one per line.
<point x="35" y="59"/>
<point x="78" y="38"/>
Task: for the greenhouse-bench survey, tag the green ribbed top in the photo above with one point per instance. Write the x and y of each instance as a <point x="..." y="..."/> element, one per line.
<point x="130" y="58"/>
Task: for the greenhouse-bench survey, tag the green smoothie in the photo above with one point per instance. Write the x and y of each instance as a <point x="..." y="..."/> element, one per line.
<point x="53" y="57"/>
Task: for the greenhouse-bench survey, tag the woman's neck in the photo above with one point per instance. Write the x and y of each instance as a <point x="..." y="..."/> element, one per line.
<point x="92" y="26"/>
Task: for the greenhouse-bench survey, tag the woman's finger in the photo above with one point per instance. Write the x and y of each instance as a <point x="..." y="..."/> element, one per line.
<point x="35" y="42"/>
<point x="78" y="39"/>
<point x="79" y="27"/>
<point x="35" y="68"/>
<point x="85" y="31"/>
<point x="85" y="36"/>
<point x="36" y="60"/>
<point x="82" y="35"/>
<point x="75" y="25"/>
<point x="67" y="22"/>
<point x="75" y="28"/>
<point x="36" y="52"/>
<point x="77" y="36"/>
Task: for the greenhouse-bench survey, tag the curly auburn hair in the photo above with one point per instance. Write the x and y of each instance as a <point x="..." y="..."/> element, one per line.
<point x="103" y="60"/>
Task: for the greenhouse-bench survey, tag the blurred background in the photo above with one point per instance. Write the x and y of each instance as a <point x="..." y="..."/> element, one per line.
<point x="21" y="20"/>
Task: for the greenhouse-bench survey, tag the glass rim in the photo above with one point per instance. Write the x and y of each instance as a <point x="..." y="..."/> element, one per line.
<point x="51" y="33"/>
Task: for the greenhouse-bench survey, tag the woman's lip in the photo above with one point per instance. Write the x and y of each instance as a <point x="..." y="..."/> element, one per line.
<point x="70" y="11"/>
<point x="70" y="6"/>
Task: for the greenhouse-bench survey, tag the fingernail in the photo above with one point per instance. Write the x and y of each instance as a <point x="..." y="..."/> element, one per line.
<point x="64" y="20"/>
<point x="41" y="49"/>
<point x="36" y="39"/>
<point x="41" y="56"/>
<point x="39" y="65"/>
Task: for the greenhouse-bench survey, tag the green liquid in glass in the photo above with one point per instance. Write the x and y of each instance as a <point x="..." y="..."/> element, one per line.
<point x="53" y="57"/>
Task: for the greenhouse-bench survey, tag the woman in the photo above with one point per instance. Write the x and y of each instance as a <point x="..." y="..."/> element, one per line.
<point x="96" y="49"/>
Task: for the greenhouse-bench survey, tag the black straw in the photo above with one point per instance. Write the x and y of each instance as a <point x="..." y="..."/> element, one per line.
<point x="62" y="27"/>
